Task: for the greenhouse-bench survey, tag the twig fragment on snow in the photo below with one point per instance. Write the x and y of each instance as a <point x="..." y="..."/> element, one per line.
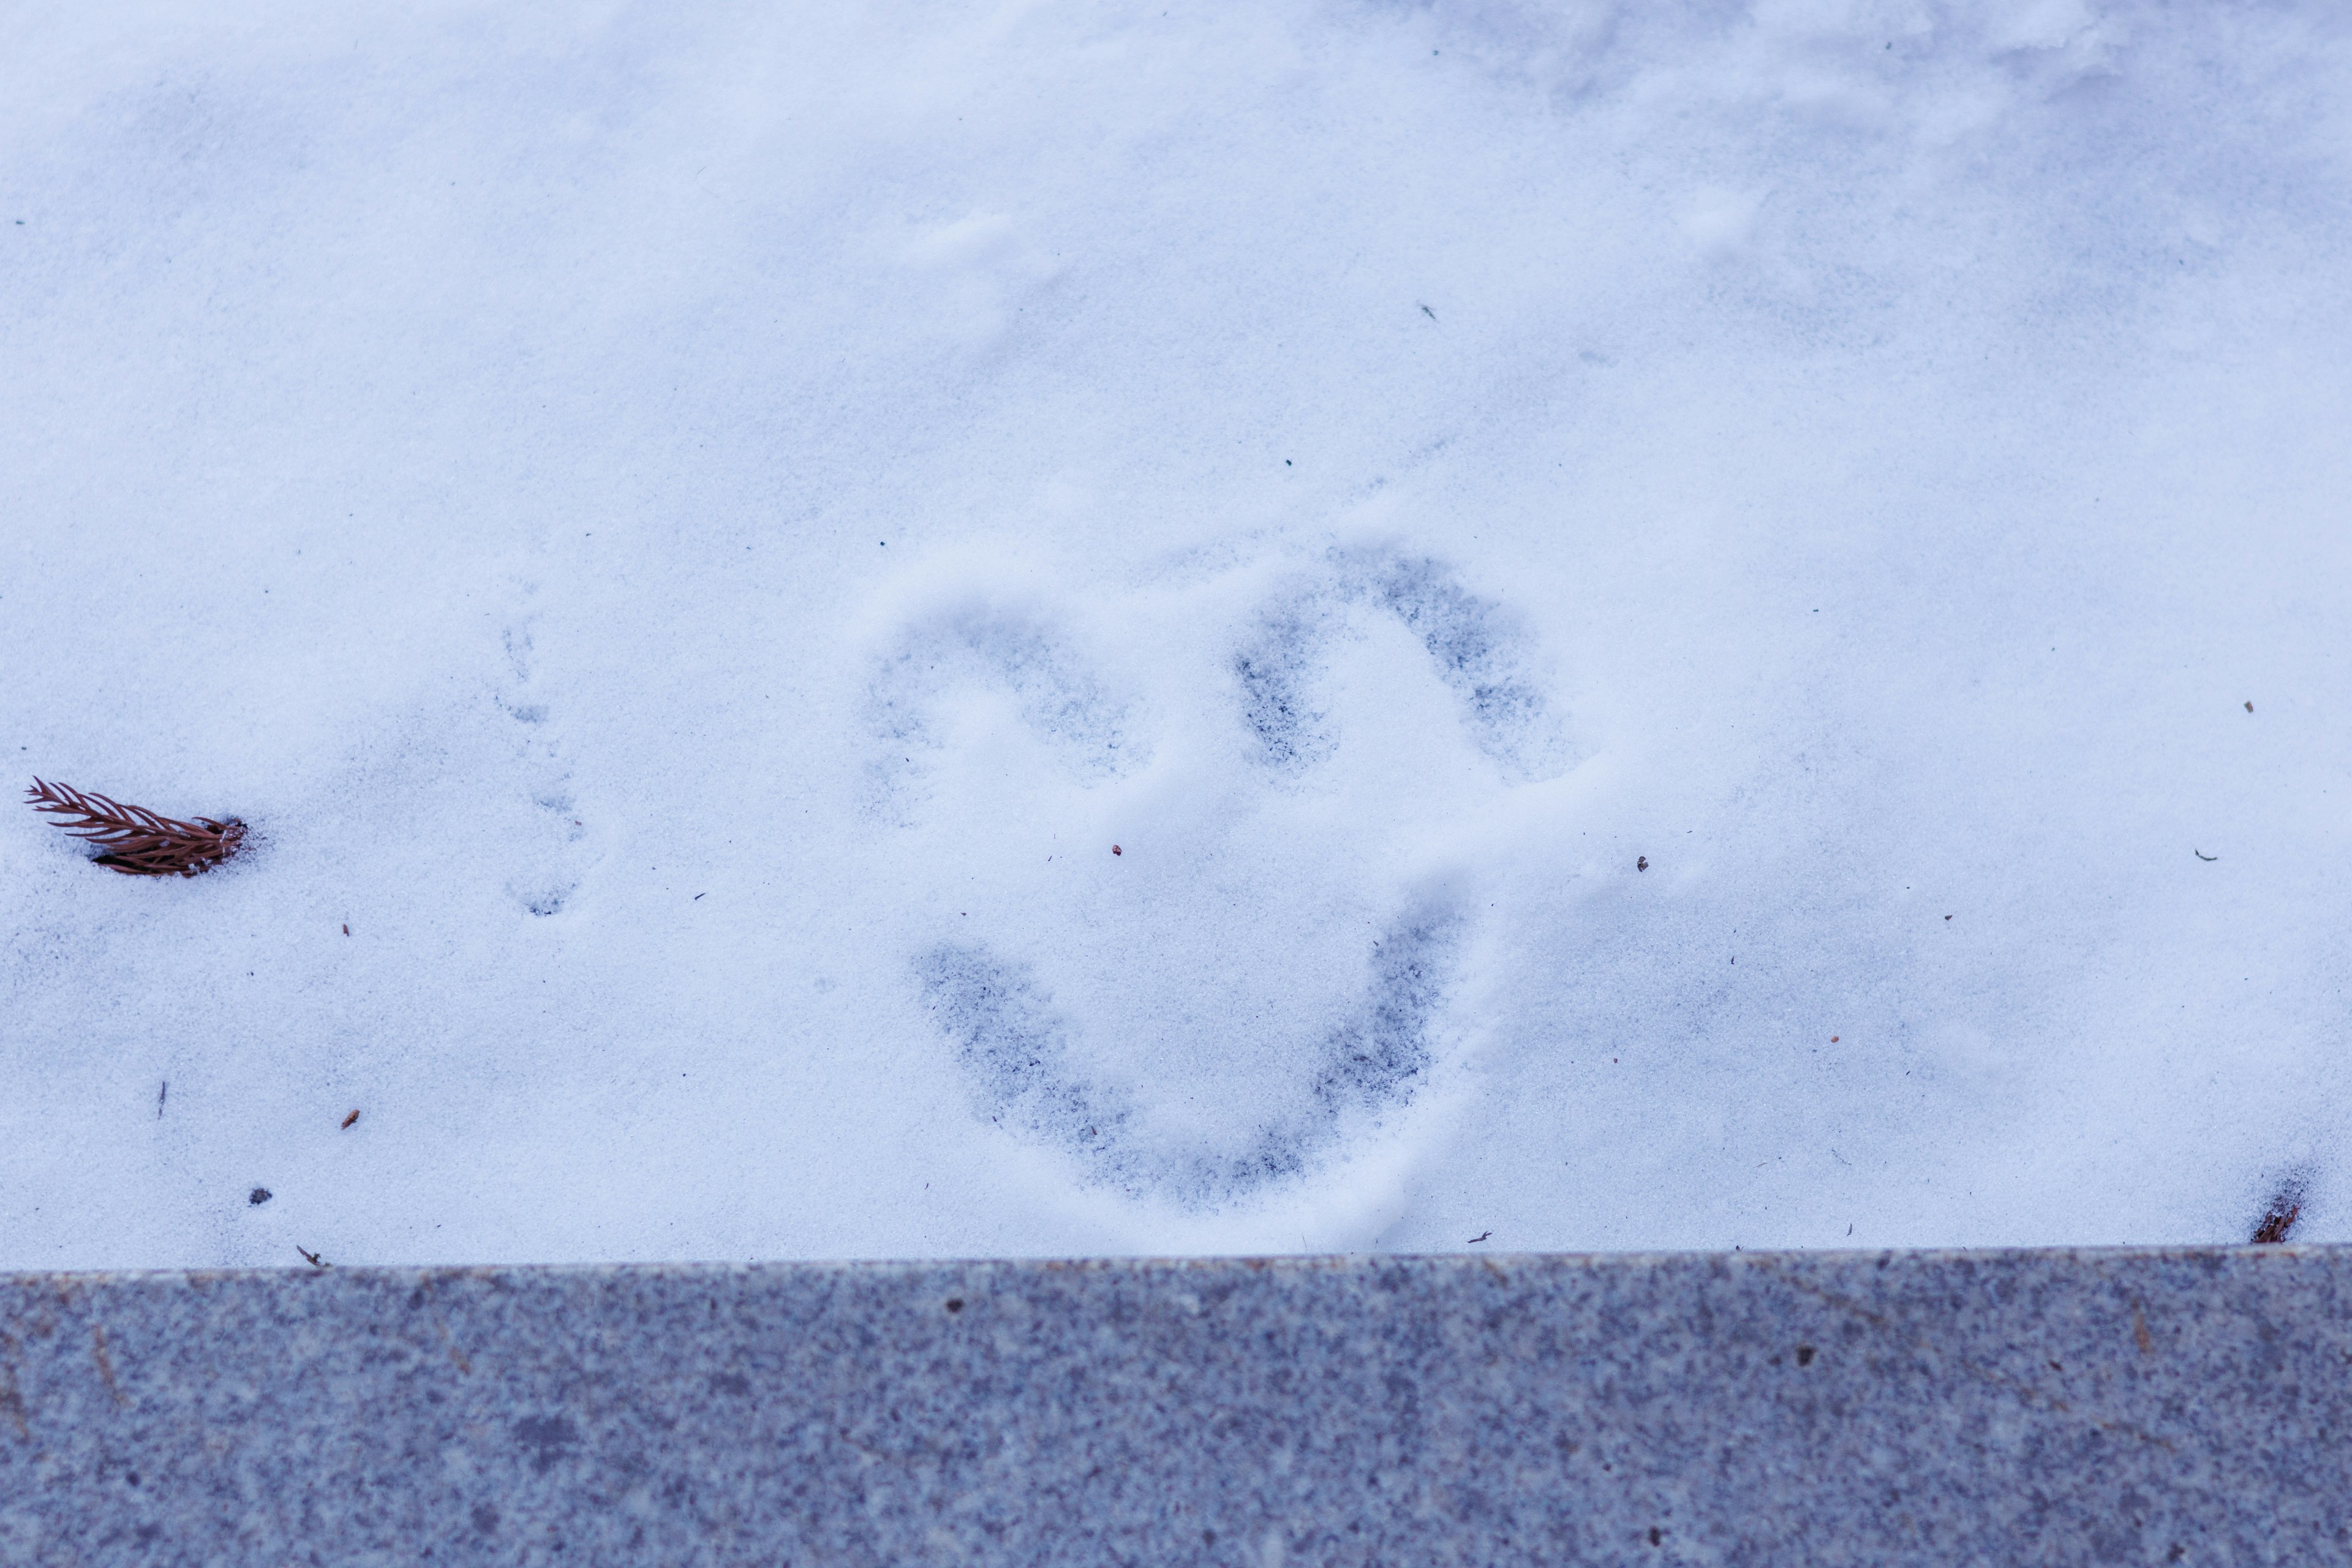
<point x="136" y="841"/>
<point x="2280" y="1213"/>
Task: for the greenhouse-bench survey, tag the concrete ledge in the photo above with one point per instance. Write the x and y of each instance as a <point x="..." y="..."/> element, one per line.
<point x="2132" y="1406"/>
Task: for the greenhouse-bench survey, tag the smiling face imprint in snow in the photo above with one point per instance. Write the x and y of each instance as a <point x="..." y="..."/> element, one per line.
<point x="1260" y="978"/>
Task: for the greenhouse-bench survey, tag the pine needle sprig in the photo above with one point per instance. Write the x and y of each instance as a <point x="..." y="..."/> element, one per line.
<point x="135" y="841"/>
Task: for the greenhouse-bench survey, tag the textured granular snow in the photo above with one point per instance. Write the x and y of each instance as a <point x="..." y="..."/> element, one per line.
<point x="1661" y="603"/>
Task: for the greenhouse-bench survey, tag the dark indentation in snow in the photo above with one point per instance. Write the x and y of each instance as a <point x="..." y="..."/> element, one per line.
<point x="1008" y="1042"/>
<point x="1274" y="670"/>
<point x="1371" y="1061"/>
<point x="1013" y="1048"/>
<point x="548" y="886"/>
<point x="518" y="645"/>
<point x="1476" y="647"/>
<point x="1059" y="697"/>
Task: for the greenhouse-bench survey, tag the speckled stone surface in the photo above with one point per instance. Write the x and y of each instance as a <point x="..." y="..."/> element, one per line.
<point x="2137" y="1406"/>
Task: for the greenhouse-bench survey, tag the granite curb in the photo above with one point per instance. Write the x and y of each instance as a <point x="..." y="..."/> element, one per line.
<point x="2138" y="1405"/>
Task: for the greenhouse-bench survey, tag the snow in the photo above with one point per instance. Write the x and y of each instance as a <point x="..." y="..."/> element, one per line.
<point x="694" y="530"/>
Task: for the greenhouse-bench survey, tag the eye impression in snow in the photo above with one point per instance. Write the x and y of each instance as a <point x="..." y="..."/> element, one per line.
<point x="1474" y="644"/>
<point x="1262" y="990"/>
<point x="1060" y="699"/>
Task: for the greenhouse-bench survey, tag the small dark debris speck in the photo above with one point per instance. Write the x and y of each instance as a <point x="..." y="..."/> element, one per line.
<point x="1116" y="850"/>
<point x="1641" y="862"/>
<point x="1805" y="1354"/>
<point x="258" y="1196"/>
<point x="955" y="1303"/>
<point x="350" y="1120"/>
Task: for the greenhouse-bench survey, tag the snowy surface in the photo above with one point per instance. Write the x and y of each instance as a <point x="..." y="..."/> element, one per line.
<point x="692" y="531"/>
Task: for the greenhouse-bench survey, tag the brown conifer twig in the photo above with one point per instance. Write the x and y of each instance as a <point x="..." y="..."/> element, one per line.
<point x="136" y="841"/>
